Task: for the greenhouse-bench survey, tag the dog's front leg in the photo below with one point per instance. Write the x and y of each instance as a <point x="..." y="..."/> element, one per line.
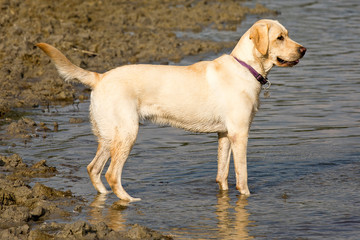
<point x="238" y="145"/>
<point x="224" y="152"/>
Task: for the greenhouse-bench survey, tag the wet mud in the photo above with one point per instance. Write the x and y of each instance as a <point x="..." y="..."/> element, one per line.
<point x="96" y="35"/>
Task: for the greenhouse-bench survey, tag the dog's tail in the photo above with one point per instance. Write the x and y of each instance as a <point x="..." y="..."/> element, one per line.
<point x="66" y="69"/>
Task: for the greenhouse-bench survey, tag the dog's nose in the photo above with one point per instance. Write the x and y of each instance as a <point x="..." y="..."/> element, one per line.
<point x="302" y="51"/>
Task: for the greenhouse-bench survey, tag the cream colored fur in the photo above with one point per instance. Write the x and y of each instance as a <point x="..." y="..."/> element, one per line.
<point x="212" y="96"/>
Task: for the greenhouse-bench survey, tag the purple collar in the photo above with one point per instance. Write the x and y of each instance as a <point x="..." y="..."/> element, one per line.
<point x="258" y="76"/>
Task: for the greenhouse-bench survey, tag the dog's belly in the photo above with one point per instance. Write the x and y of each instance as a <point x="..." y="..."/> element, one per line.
<point x="188" y="119"/>
<point x="196" y="126"/>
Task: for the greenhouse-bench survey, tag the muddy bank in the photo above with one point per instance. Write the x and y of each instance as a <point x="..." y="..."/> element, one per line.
<point x="33" y="212"/>
<point x="99" y="35"/>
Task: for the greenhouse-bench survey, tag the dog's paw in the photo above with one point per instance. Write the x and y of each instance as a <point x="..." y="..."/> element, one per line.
<point x="134" y="199"/>
<point x="245" y="192"/>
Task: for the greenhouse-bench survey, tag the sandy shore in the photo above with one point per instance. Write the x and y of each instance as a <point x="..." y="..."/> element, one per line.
<point x="96" y="35"/>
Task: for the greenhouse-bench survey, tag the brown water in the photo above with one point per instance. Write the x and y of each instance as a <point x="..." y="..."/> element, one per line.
<point x="303" y="155"/>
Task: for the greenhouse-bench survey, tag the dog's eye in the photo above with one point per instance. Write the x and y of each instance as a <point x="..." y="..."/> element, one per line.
<point x="281" y="37"/>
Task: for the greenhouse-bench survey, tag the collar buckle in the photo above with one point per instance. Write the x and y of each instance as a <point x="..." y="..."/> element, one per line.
<point x="261" y="79"/>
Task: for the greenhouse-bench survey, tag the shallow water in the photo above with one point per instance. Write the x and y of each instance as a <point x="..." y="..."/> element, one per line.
<point x="303" y="155"/>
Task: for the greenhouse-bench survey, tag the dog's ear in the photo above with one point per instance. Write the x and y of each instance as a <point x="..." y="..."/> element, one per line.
<point x="259" y="34"/>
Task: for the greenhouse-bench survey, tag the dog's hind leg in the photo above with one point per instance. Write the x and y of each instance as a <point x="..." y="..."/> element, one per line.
<point x="97" y="165"/>
<point x="224" y="152"/>
<point x="120" y="149"/>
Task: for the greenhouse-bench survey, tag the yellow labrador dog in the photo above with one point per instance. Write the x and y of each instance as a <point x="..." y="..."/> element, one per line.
<point x="219" y="96"/>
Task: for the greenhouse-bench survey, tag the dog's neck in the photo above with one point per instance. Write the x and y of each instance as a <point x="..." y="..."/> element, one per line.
<point x="245" y="51"/>
<point x="258" y="76"/>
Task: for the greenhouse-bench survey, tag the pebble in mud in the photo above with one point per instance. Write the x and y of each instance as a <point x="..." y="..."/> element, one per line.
<point x="56" y="127"/>
<point x="76" y="120"/>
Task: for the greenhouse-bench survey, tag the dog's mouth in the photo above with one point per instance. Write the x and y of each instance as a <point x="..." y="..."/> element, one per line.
<point x="284" y="63"/>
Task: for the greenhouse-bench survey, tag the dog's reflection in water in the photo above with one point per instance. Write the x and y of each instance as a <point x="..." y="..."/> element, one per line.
<point x="111" y="215"/>
<point x="233" y="219"/>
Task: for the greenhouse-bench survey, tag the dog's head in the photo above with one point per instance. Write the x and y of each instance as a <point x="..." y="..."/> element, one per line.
<point x="272" y="41"/>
